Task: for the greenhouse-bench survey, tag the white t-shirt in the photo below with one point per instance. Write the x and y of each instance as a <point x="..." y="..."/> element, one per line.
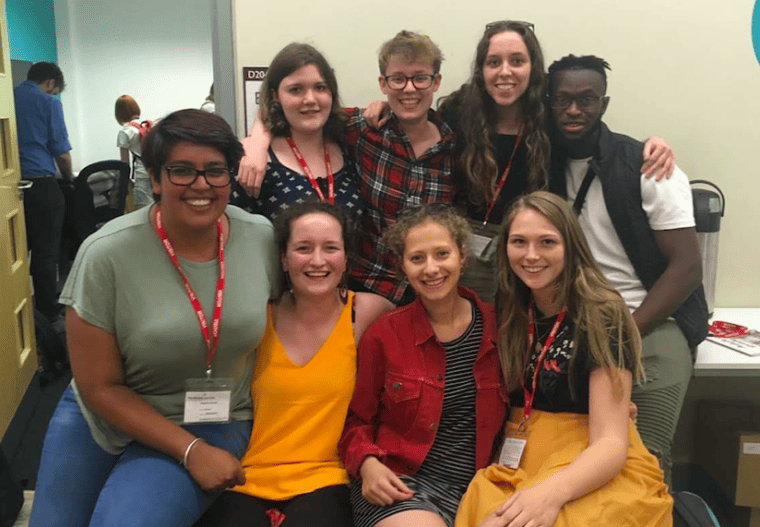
<point x="667" y="204"/>
<point x="129" y="138"/>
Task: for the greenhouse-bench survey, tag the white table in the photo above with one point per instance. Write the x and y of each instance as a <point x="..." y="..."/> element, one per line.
<point x="716" y="360"/>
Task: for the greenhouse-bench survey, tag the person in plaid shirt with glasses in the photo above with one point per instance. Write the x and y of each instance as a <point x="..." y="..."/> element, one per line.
<point x="405" y="162"/>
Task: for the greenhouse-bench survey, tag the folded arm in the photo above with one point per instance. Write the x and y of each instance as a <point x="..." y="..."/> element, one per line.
<point x="97" y="369"/>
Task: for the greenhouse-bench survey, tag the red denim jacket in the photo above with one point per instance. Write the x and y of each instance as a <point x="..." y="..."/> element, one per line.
<point x="398" y="397"/>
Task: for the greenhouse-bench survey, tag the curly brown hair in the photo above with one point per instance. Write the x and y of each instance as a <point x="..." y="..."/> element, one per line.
<point x="291" y="58"/>
<point x="394" y="238"/>
<point x="477" y="115"/>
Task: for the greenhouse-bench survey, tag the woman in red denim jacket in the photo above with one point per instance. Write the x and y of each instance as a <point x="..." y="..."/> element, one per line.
<point x="430" y="396"/>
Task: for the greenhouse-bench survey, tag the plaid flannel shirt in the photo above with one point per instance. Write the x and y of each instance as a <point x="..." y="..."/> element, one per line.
<point x="391" y="178"/>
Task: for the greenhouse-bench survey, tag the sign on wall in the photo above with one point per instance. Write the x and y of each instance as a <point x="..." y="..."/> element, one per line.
<point x="253" y="78"/>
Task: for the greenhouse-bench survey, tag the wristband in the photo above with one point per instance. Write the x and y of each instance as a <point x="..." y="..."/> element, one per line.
<point x="188" y="449"/>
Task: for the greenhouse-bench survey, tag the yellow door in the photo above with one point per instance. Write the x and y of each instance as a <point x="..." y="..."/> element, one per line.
<point x="18" y="358"/>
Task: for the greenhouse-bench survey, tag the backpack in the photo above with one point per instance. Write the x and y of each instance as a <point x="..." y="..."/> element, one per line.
<point x="143" y="127"/>
<point x="689" y="510"/>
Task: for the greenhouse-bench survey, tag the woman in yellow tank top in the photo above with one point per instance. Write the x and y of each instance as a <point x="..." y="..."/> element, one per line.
<point x="302" y="383"/>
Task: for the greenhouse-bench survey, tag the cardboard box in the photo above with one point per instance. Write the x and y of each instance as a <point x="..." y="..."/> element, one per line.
<point x="748" y="471"/>
<point x="728" y="448"/>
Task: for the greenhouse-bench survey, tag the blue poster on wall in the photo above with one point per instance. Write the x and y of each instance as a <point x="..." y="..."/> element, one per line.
<point x="756" y="30"/>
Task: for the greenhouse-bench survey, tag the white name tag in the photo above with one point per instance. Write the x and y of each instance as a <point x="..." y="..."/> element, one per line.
<point x="207" y="400"/>
<point x="511" y="452"/>
<point x="479" y="244"/>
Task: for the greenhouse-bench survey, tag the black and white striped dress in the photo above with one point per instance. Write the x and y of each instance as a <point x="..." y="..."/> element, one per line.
<point x="449" y="466"/>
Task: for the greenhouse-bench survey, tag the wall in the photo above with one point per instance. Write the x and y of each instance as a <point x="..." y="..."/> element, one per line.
<point x="157" y="51"/>
<point x="681" y="69"/>
<point x="31" y="30"/>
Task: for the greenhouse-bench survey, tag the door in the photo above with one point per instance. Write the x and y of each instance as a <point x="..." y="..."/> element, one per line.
<point x="18" y="357"/>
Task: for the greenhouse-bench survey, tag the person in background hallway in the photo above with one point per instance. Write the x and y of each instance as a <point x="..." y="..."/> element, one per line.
<point x="641" y="233"/>
<point x="430" y="396"/>
<point x="165" y="308"/>
<point x="570" y="350"/>
<point x="302" y="382"/>
<point x="43" y="143"/>
<point x="209" y="105"/>
<point x="129" y="142"/>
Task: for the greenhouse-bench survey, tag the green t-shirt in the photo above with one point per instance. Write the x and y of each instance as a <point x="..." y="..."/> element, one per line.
<point x="123" y="282"/>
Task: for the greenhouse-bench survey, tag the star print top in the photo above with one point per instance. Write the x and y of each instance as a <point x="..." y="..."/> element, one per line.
<point x="283" y="187"/>
<point x="555" y="392"/>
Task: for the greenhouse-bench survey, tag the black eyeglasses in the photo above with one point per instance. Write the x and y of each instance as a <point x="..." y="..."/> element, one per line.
<point x="505" y="23"/>
<point x="399" y="82"/>
<point x="185" y="176"/>
<point x="583" y="102"/>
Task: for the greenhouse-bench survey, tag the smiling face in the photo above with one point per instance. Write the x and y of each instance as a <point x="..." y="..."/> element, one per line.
<point x="432" y="261"/>
<point x="315" y="257"/>
<point x="575" y="121"/>
<point x="198" y="206"/>
<point x="306" y="100"/>
<point x="410" y="105"/>
<point x="506" y="68"/>
<point x="536" y="254"/>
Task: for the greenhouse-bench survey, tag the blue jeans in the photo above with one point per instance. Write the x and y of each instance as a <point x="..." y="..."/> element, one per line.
<point x="80" y="484"/>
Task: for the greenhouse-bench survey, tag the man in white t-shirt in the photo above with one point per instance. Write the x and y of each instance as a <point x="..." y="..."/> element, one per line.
<point x="641" y="233"/>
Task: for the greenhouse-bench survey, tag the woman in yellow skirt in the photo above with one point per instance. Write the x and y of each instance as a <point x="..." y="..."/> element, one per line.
<point x="570" y="350"/>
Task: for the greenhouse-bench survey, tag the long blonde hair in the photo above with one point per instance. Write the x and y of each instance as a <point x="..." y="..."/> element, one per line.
<point x="595" y="307"/>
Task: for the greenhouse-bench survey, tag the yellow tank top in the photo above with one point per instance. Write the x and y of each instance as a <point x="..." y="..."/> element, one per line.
<point x="298" y="415"/>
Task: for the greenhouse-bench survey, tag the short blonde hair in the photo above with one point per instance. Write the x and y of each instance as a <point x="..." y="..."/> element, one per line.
<point x="410" y="46"/>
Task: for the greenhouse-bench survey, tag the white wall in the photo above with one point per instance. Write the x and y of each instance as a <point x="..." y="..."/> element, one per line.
<point x="681" y="69"/>
<point x="157" y="51"/>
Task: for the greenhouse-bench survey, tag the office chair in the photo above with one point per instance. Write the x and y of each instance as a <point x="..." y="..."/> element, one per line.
<point x="100" y="193"/>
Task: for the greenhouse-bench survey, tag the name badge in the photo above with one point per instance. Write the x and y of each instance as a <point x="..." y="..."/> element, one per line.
<point x="479" y="244"/>
<point x="512" y="451"/>
<point x="207" y="400"/>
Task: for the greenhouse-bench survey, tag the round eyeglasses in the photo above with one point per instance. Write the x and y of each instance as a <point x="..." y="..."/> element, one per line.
<point x="419" y="81"/>
<point x="186" y="176"/>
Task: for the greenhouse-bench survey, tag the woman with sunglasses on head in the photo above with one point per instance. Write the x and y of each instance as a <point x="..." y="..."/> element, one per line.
<point x="302" y="381"/>
<point x="301" y="108"/>
<point x="499" y="118"/>
<point x="570" y="351"/>
<point x="429" y="396"/>
<point x="163" y="317"/>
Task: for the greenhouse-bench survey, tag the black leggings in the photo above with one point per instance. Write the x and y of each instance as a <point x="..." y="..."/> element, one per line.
<point x="325" y="507"/>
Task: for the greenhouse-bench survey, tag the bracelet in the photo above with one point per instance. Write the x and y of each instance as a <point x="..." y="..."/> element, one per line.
<point x="188" y="449"/>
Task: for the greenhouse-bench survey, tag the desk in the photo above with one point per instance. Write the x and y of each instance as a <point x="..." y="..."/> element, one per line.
<point x="714" y="360"/>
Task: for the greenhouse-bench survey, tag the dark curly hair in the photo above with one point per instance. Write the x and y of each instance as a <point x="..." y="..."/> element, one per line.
<point x="571" y="62"/>
<point x="291" y="58"/>
<point x="477" y="113"/>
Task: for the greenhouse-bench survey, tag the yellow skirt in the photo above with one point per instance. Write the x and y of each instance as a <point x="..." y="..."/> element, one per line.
<point x="636" y="497"/>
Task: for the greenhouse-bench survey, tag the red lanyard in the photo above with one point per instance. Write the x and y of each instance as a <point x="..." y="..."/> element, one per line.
<point x="528" y="407"/>
<point x="212" y="340"/>
<point x="503" y="178"/>
<point x="310" y="175"/>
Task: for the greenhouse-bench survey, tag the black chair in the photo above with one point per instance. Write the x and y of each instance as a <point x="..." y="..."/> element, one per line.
<point x="100" y="194"/>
